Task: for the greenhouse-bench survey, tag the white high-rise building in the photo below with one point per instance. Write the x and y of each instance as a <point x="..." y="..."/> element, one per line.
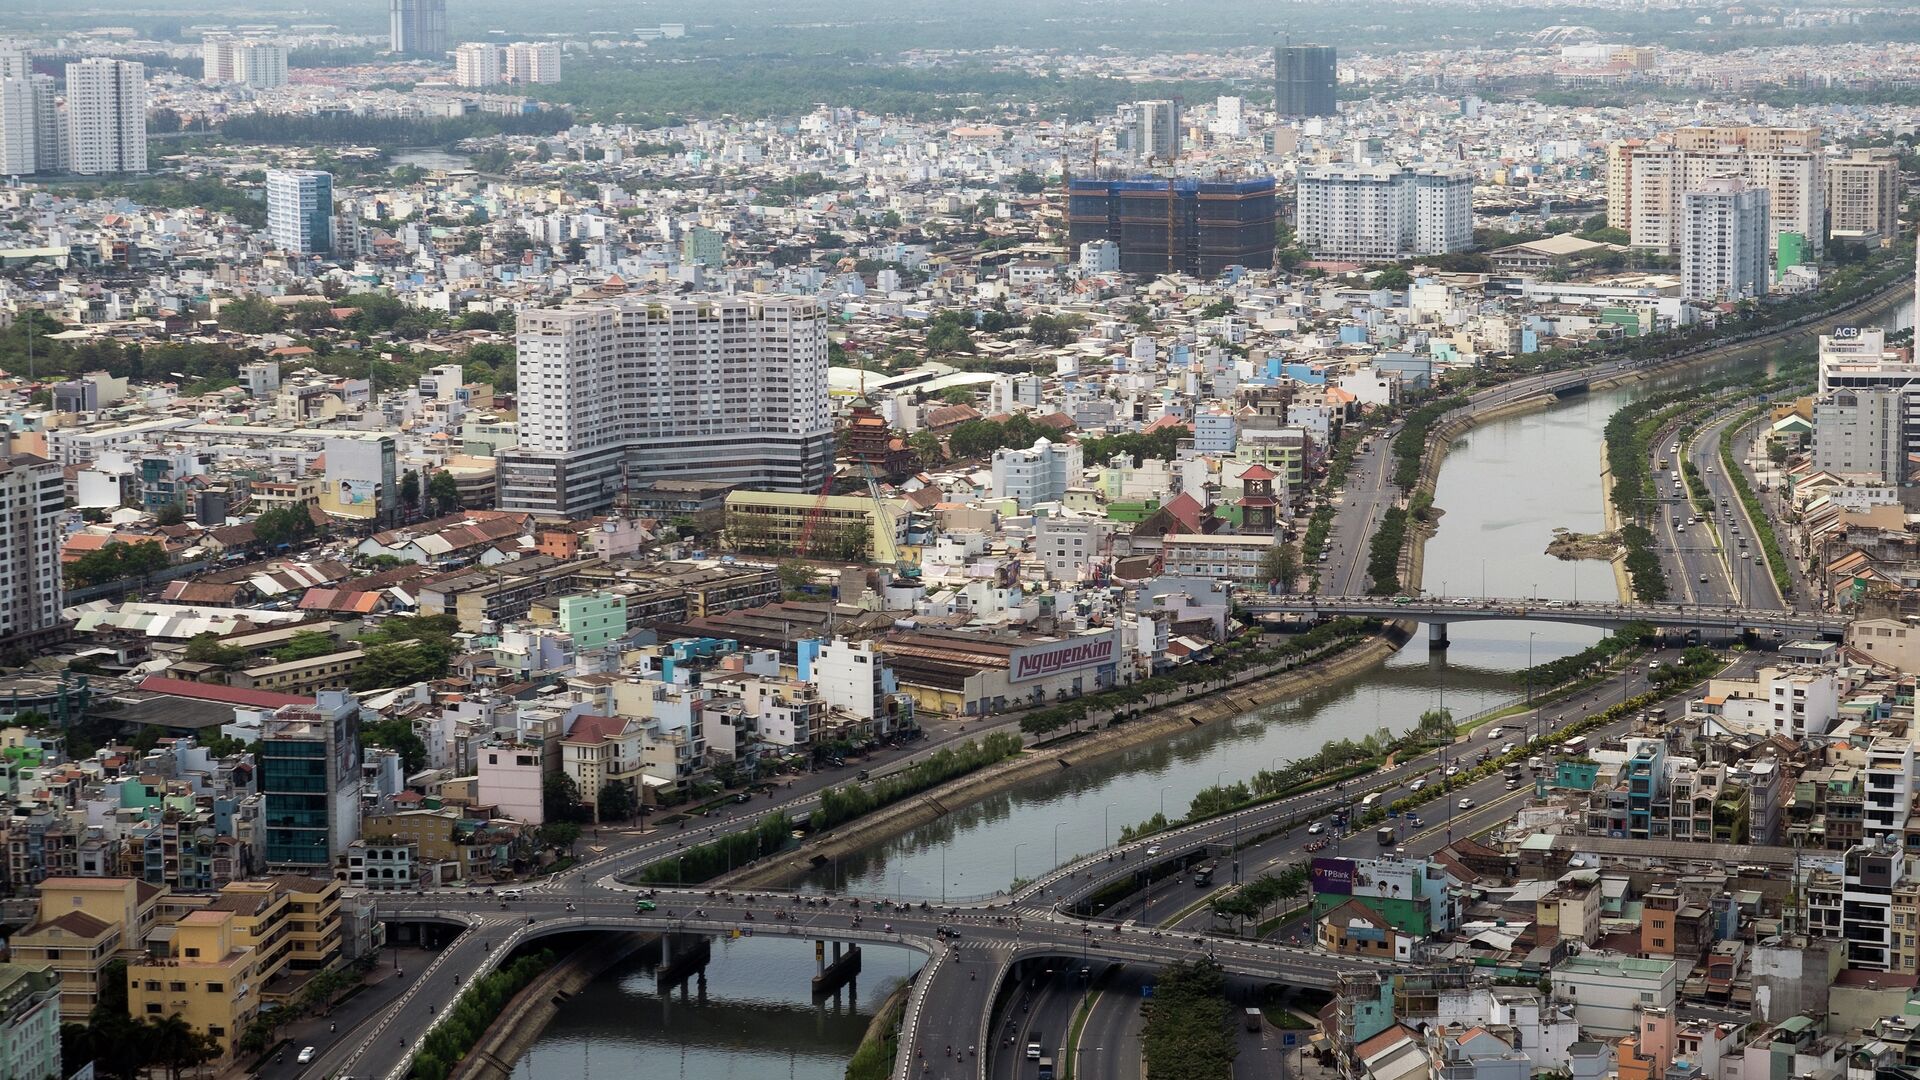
<point x="300" y="210"/>
<point x="1229" y="117"/>
<point x="1375" y="212"/>
<point x="1040" y="473"/>
<point x="106" y="116"/>
<point x="1646" y="181"/>
<point x="18" y="155"/>
<point x="30" y="597"/>
<point x="260" y="65"/>
<point x="620" y="393"/>
<point x="1723" y="247"/>
<point x="216" y="59"/>
<point x="477" y="63"/>
<point x="532" y="62"/>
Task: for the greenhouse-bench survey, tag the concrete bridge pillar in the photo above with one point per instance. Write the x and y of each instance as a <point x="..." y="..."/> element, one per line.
<point x="1437" y="635"/>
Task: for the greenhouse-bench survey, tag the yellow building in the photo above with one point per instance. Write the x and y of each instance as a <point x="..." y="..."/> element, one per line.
<point x="77" y="947"/>
<point x="291" y="923"/>
<point x="207" y="978"/>
<point x="84" y="926"/>
<point x="844" y="526"/>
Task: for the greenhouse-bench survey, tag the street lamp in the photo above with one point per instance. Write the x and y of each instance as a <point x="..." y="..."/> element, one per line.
<point x="1016" y="859"/>
<point x="1163" y="800"/>
<point x="1531" y="634"/>
<point x="1106" y="838"/>
<point x="1056" y="844"/>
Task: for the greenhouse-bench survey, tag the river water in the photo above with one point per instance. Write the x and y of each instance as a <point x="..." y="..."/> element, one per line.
<point x="1503" y="487"/>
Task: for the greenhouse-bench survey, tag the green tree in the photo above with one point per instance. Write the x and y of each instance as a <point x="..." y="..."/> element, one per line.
<point x="444" y="492"/>
<point x="208" y="649"/>
<point x="925" y="446"/>
<point x="1280" y="564"/>
<point x="1393" y="277"/>
<point x="305" y="645"/>
<point x="617" y="802"/>
<point x="396" y="734"/>
<point x="560" y="835"/>
<point x="283" y="525"/>
<point x="251" y="315"/>
<point x="560" y="799"/>
<point x="169" y="515"/>
<point x="1222" y="306"/>
<point x="410" y="489"/>
<point x="948" y="333"/>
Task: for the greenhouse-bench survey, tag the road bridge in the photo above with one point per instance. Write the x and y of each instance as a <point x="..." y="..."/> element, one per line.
<point x="1439" y="613"/>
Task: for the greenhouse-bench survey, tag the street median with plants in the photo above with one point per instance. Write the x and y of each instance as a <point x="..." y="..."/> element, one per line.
<point x="480" y="1004"/>
<point x="1756" y="512"/>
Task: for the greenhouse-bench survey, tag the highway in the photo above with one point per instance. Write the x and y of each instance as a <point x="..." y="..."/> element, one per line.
<point x="1368" y="494"/>
<point x="949" y="1007"/>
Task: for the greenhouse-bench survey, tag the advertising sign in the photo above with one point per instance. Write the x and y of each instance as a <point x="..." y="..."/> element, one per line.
<point x="1333" y="876"/>
<point x="1054" y="657"/>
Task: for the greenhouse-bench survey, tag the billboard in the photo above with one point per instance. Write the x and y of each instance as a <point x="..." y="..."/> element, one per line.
<point x="1054" y="657"/>
<point x="1333" y="876"/>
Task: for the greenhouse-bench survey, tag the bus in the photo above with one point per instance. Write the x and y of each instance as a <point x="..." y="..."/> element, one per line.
<point x="1370" y="801"/>
<point x="1574" y="747"/>
<point x="1203" y="874"/>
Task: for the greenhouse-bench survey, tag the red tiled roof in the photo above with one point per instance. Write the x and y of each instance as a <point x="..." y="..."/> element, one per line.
<point x="228" y="695"/>
<point x="588" y="728"/>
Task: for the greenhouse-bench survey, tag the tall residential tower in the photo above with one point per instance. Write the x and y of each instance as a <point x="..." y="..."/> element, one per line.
<point x="620" y="393"/>
<point x="417" y="28"/>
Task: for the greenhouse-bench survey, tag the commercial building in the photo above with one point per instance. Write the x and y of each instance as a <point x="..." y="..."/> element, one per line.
<point x="1166" y="225"/>
<point x="300" y="210"/>
<point x="1651" y="179"/>
<point x="975" y="672"/>
<point x="32" y="504"/>
<point x="417" y="28"/>
<point x="106" y="116"/>
<point x="1156" y="130"/>
<point x="1303" y="80"/>
<point x="1723" y="247"/>
<point x="309" y="758"/>
<point x="1863" y="195"/>
<point x="1861" y="433"/>
<point x="29" y="1022"/>
<point x="1218" y="556"/>
<point x="1608" y="991"/>
<point x="1379" y="212"/>
<point x="626" y="392"/>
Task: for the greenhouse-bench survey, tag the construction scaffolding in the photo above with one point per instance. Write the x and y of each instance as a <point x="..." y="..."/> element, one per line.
<point x="1176" y="224"/>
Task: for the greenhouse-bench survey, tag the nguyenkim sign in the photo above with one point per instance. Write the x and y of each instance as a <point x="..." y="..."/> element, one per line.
<point x="1055" y="657"/>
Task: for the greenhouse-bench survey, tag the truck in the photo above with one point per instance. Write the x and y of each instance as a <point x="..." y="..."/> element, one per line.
<point x="1046" y="1069"/>
<point x="1035" y="1041"/>
<point x="1385" y="836"/>
<point x="1253" y="1018"/>
<point x="1203" y="874"/>
<point x="1370" y="801"/>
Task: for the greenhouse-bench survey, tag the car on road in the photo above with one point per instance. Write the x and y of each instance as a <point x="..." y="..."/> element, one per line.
<point x="1153" y="849"/>
<point x="643" y="905"/>
<point x="1703" y="579"/>
<point x="1413" y="821"/>
<point x="1316" y="828"/>
<point x="1466" y="804"/>
<point x="1417" y="784"/>
<point x="305" y="1056"/>
<point x="1453" y="770"/>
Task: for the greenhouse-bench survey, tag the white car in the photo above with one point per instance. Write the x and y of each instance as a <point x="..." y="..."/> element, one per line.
<point x="1417" y="784"/>
<point x="1453" y="770"/>
<point x="1316" y="828"/>
<point x="1466" y="804"/>
<point x="1153" y="849"/>
<point x="306" y="1055"/>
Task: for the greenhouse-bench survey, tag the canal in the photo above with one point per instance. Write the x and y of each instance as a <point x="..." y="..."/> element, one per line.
<point x="1503" y="488"/>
